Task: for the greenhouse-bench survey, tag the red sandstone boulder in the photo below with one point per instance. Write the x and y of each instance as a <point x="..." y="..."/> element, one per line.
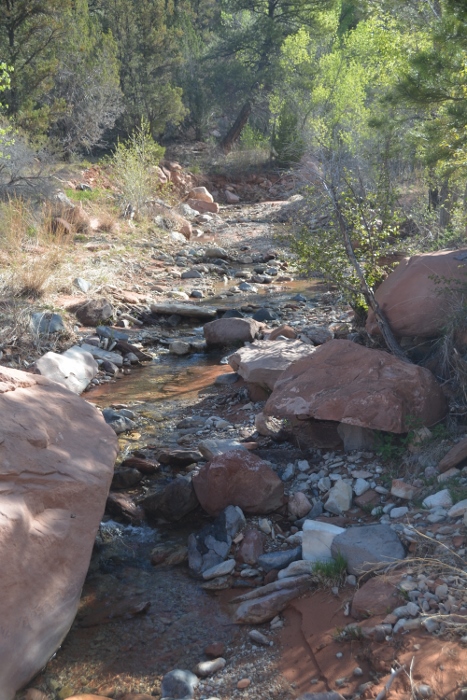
<point x="238" y="478"/>
<point x="57" y="456"/>
<point x="201" y="194"/>
<point x="412" y="300"/>
<point x="345" y="382"/>
<point x="231" y="331"/>
<point x="202" y="207"/>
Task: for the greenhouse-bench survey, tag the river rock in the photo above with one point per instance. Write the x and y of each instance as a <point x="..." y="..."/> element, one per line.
<point x="179" y="347"/>
<point x="74" y="369"/>
<point x="46" y="323"/>
<point x="122" y="506"/>
<point x="339" y="498"/>
<point x="375" y="597"/>
<point x="179" y="458"/>
<point x="251" y="547"/>
<point x="57" y="463"/>
<point x="202" y="313"/>
<point x="330" y="384"/>
<point x="100" y="354"/>
<point x="265" y="608"/>
<point x="412" y="298"/>
<point x="94" y="312"/>
<point x="264" y="361"/>
<point x="179" y="684"/>
<point x="125" y="478"/>
<point x="441" y="499"/>
<point x="317" y="334"/>
<point x="317" y="540"/>
<point x="223" y="569"/>
<point x="298" y="505"/>
<point x="207" y="668"/>
<point x="212" y="543"/>
<point x="118" y="421"/>
<point x="458" y="509"/>
<point x="238" y="478"/>
<point x="213" y="448"/>
<point x="366" y="547"/>
<point x="296" y="568"/>
<point x="231" y="331"/>
<point x="269" y="426"/>
<point x="173" y="501"/>
<point x="280" y="559"/>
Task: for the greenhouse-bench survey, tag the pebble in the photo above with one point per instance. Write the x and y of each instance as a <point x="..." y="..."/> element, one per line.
<point x="207" y="668"/>
<point x="243" y="683"/>
<point x="357" y="671"/>
<point x="179" y="684"/>
<point x="259" y="638"/>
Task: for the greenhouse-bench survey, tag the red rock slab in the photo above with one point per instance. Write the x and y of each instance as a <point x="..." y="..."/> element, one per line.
<point x="378" y="596"/>
<point x="455" y="456"/>
<point x="346" y="382"/>
<point x="203" y="207"/>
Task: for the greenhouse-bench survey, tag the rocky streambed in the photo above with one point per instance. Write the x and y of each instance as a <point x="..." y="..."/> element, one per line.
<point x="179" y="543"/>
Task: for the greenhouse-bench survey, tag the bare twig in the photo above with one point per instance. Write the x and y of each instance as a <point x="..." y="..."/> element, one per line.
<point x="394" y="673"/>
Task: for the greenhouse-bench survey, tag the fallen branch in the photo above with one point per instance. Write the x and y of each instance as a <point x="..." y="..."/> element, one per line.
<point x="394" y="673"/>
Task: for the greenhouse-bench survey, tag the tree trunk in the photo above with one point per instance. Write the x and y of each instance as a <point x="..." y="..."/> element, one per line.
<point x="385" y="328"/>
<point x="236" y="129"/>
<point x="445" y="205"/>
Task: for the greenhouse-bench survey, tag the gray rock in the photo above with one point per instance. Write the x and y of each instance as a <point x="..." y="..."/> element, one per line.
<point x="210" y="546"/>
<point x="339" y="498"/>
<point x="46" y="323"/>
<point x="211" y="448"/>
<point x="197" y="294"/>
<point x="203" y="313"/>
<point x="279" y="560"/>
<point x="100" y="354"/>
<point x="297" y="568"/>
<point x="191" y="274"/>
<point x="94" y="311"/>
<point x="179" y="347"/>
<point x="259" y="638"/>
<point x="74" y="369"/>
<point x="368" y="546"/>
<point x="220" y="570"/>
<point x="179" y="684"/>
<point x="82" y="284"/>
<point x="111" y="333"/>
<point x="117" y="421"/>
<point x="440" y="499"/>
<point x="230" y="378"/>
<point x="265" y="608"/>
<point x="173" y="501"/>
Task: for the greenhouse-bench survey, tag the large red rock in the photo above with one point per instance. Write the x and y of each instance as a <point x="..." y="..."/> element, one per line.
<point x="238" y="478"/>
<point x="413" y="297"/>
<point x="57" y="456"/>
<point x="345" y="382"/>
<point x="231" y="331"/>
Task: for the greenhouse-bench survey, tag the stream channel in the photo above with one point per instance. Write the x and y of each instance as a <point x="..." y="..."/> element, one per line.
<point x="137" y="621"/>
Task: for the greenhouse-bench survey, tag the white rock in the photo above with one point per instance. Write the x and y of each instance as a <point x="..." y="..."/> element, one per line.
<point x="340" y="498"/>
<point x="399" y="512"/>
<point x="440" y="499"/>
<point x="360" y="487"/>
<point x="458" y="509"/>
<point x="207" y="668"/>
<point x="317" y="540"/>
<point x="223" y="569"/>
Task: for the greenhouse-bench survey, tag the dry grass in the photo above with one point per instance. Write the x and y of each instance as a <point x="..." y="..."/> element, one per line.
<point x="31" y="250"/>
